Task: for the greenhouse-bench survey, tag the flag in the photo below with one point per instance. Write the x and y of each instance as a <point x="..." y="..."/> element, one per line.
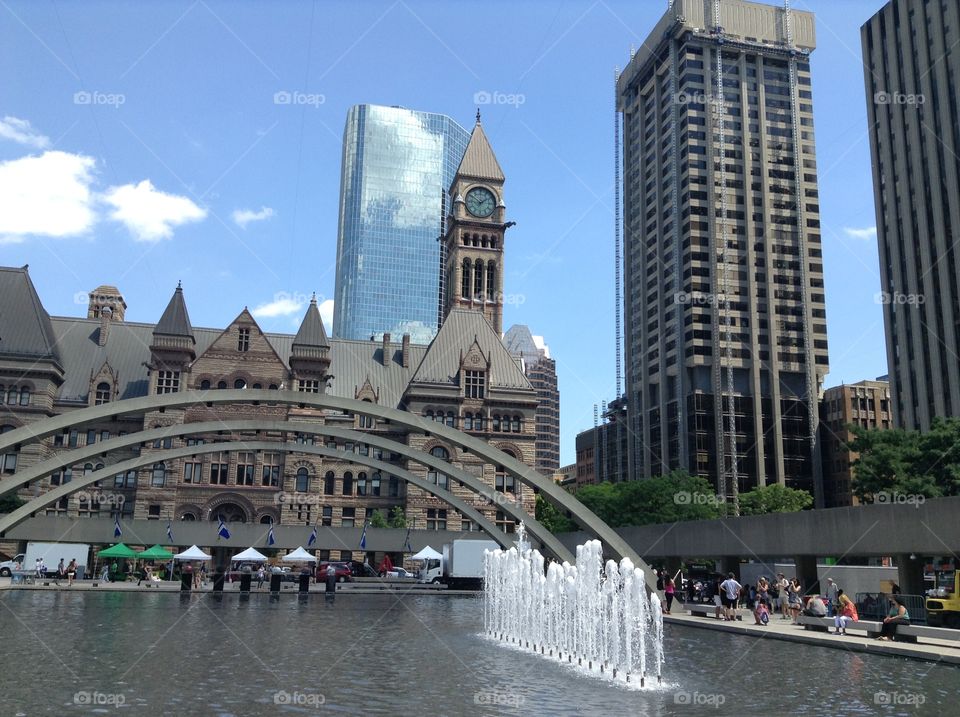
<point x="363" y="537"/>
<point x="313" y="537"/>
<point x="116" y="527"/>
<point x="169" y="533"/>
<point x="222" y="531"/>
<point x="406" y="542"/>
<point x="270" y="538"/>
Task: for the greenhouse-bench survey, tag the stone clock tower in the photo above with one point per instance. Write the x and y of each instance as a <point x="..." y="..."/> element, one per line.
<point x="473" y="271"/>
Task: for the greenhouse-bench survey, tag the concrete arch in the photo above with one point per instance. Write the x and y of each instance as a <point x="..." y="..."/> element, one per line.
<point x="52" y="496"/>
<point x="394" y="416"/>
<point x="148" y="437"/>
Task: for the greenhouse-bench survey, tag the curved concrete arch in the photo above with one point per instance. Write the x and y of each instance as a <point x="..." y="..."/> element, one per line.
<point x="52" y="496"/>
<point x="179" y="430"/>
<point x="525" y="474"/>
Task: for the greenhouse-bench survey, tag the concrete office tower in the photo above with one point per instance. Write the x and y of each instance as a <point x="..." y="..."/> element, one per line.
<point x="725" y="331"/>
<point x="541" y="371"/>
<point x="911" y="68"/>
<point x="397" y="167"/>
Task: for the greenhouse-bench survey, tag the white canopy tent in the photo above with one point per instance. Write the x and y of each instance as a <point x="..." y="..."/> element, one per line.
<point x="427" y="553"/>
<point x="299" y="556"/>
<point x="250" y="555"/>
<point x="192" y="553"/>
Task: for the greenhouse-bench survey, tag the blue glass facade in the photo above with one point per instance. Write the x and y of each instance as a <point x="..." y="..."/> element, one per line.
<point x="397" y="167"/>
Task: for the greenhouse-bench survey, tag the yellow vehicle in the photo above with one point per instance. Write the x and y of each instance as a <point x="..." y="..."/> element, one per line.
<point x="943" y="602"/>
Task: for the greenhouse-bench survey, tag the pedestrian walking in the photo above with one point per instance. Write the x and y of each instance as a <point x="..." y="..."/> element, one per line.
<point x="261" y="576"/>
<point x="833" y="597"/>
<point x="71" y="571"/>
<point x="669" y="590"/>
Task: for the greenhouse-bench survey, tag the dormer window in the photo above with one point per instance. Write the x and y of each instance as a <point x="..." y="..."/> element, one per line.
<point x="103" y="394"/>
<point x="243" y="339"/>
<point x="474" y="384"/>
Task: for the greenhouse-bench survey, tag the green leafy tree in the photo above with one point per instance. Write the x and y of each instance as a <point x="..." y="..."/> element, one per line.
<point x="774" y="498"/>
<point x="377" y="520"/>
<point x="675" y="496"/>
<point x="551" y="518"/>
<point x="10" y="502"/>
<point x="398" y="518"/>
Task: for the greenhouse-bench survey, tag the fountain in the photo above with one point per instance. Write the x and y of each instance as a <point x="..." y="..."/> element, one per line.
<point x="596" y="615"/>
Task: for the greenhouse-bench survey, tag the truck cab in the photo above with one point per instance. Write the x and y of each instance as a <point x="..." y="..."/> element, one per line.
<point x="8" y="566"/>
<point x="943" y="601"/>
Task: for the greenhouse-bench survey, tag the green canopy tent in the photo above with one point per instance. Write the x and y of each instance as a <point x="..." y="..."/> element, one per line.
<point x="158" y="552"/>
<point x="120" y="550"/>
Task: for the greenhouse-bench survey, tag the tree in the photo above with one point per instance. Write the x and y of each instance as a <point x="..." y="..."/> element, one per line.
<point x="10" y="502"/>
<point x="676" y="496"/>
<point x="552" y="519"/>
<point x="398" y="518"/>
<point x="377" y="520"/>
<point x="774" y="498"/>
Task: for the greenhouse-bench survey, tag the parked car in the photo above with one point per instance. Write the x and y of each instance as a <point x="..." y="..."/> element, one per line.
<point x="400" y="573"/>
<point x="343" y="571"/>
<point x="361" y="570"/>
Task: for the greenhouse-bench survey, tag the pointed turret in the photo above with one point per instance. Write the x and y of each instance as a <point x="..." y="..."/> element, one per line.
<point x="479" y="161"/>
<point x="310" y="352"/>
<point x="173" y="345"/>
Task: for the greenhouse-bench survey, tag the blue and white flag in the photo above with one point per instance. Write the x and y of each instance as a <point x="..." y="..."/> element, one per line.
<point x="313" y="537"/>
<point x="270" y="538"/>
<point x="406" y="542"/>
<point x="169" y="533"/>
<point x="117" y="532"/>
<point x="363" y="538"/>
<point x="222" y="531"/>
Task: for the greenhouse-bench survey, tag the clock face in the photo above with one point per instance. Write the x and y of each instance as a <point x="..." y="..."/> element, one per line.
<point x="480" y="202"/>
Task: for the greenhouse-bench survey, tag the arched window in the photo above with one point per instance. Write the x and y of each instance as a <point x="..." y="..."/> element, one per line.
<point x="468" y="421"/>
<point x="221" y="385"/>
<point x="258" y="386"/>
<point x="273" y="387"/>
<point x="361" y="483"/>
<point x="394" y="487"/>
<point x="12" y="396"/>
<point x="478" y="279"/>
<point x="375" y="481"/>
<point x="188" y="517"/>
<point x="348" y="483"/>
<point x="435" y="476"/>
<point x="303" y="480"/>
<point x="465" y="279"/>
<point x="491" y="280"/>
<point x="496" y="422"/>
<point x="205" y="384"/>
<point x="517" y="424"/>
<point x="8" y="461"/>
<point x="159" y="475"/>
<point x="451" y="419"/>
<point x="266" y="520"/>
<point x="24" y="396"/>
<point x="239" y="383"/>
<point x="428" y="415"/>
<point x="87" y="469"/>
<point x="479" y="422"/>
<point x="328" y="483"/>
<point x="102" y="394"/>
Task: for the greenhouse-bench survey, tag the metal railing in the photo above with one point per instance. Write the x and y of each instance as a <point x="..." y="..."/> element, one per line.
<point x="876" y="606"/>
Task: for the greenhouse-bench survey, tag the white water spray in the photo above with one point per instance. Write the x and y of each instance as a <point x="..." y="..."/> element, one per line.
<point x="598" y="617"/>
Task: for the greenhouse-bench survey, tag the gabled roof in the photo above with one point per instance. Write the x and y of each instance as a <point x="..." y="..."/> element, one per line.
<point x="25" y="328"/>
<point x="457" y="334"/>
<point x="311" y="333"/>
<point x="175" y="320"/>
<point x="479" y="161"/>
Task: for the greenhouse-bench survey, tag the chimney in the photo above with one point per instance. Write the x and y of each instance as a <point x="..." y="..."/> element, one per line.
<point x="405" y="353"/>
<point x="106" y="315"/>
<point x="386" y="348"/>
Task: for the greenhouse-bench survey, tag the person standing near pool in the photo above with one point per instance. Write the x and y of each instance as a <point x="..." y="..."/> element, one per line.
<point x="729" y="594"/>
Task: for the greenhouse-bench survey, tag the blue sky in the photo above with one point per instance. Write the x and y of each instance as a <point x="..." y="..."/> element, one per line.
<point x="146" y="143"/>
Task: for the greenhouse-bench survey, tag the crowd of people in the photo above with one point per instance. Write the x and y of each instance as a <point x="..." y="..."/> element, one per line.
<point x="63" y="571"/>
<point x="778" y="596"/>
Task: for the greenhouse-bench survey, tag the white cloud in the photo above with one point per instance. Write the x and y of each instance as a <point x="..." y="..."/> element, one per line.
<point x="865" y="233"/>
<point x="540" y="344"/>
<point x="22" y="132"/>
<point x="326" y="313"/>
<point x="48" y="195"/>
<point x="282" y="305"/>
<point x="148" y="213"/>
<point x="242" y="217"/>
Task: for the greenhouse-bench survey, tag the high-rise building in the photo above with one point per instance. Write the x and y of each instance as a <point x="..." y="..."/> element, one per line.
<point x="397" y="167"/>
<point x="865" y="404"/>
<point x="602" y="450"/>
<point x="725" y="330"/>
<point x="541" y="370"/>
<point x="911" y="69"/>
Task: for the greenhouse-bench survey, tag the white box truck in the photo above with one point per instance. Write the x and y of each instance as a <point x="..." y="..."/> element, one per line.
<point x="461" y="567"/>
<point x="53" y="552"/>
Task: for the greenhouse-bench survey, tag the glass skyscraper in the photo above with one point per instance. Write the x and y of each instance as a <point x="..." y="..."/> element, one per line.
<point x="397" y="167"/>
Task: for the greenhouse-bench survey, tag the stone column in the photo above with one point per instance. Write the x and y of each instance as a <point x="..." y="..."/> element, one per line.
<point x="910" y="572"/>
<point x="731" y="564"/>
<point x="807" y="573"/>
